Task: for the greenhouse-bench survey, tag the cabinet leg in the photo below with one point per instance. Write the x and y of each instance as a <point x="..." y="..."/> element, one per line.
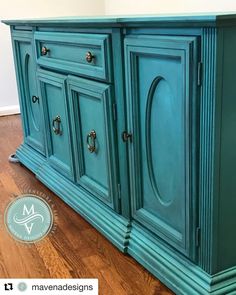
<point x="13" y="158"/>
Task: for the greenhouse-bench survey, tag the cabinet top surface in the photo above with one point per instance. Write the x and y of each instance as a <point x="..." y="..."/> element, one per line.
<point x="200" y="19"/>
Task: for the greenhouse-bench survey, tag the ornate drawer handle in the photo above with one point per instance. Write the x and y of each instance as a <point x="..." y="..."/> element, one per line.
<point x="44" y="50"/>
<point x="91" y="141"/>
<point x="56" y="125"/>
<point x="35" y="99"/>
<point x="89" y="57"/>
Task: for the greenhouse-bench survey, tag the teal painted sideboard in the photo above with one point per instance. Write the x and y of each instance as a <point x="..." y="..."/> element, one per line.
<point x="132" y="122"/>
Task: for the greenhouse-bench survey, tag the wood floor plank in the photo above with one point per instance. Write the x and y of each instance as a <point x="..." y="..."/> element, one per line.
<point x="9" y="184"/>
<point x="74" y="249"/>
<point x="53" y="261"/>
<point x="105" y="288"/>
<point x="73" y="258"/>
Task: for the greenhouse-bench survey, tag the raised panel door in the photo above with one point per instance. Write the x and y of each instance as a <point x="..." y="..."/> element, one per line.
<point x="57" y="125"/>
<point x="161" y="93"/>
<point x="31" y="104"/>
<point x="93" y="127"/>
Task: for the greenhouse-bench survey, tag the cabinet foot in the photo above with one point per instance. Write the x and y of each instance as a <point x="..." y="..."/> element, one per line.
<point x="13" y="158"/>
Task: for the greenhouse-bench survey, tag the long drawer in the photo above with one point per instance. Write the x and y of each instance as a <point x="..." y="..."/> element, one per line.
<point x="83" y="54"/>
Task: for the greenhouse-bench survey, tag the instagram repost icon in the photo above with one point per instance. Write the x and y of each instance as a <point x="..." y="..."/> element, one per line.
<point x="28" y="218"/>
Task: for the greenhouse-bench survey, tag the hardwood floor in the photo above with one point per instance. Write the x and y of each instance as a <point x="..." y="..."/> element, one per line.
<point x="74" y="249"/>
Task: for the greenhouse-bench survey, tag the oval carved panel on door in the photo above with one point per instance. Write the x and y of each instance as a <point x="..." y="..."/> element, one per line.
<point x="160" y="138"/>
<point x="33" y="109"/>
<point x="162" y="150"/>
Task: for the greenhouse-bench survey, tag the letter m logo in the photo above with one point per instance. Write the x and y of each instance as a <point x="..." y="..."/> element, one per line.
<point x="28" y="212"/>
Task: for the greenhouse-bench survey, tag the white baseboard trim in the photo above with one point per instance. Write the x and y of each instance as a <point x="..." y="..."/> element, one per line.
<point x="9" y="110"/>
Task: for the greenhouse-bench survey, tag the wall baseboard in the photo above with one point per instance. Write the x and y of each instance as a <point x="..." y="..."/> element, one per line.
<point x="9" y="110"/>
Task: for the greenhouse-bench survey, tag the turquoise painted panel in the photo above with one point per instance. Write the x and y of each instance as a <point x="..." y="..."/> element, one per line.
<point x="31" y="104"/>
<point x="225" y="243"/>
<point x="67" y="52"/>
<point x="159" y="91"/>
<point x="120" y="113"/>
<point x="57" y="125"/>
<point x="91" y="108"/>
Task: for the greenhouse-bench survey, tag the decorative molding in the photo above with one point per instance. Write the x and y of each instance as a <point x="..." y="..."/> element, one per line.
<point x="9" y="110"/>
<point x="207" y="145"/>
<point x="29" y="157"/>
<point x="112" y="225"/>
<point x="176" y="271"/>
<point x="26" y="77"/>
<point x="152" y="176"/>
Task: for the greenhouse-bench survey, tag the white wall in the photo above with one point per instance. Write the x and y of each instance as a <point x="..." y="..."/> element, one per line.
<point x="16" y="9"/>
<point x="119" y="7"/>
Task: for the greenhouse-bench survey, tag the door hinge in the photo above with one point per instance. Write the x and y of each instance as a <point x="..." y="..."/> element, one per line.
<point x="198" y="236"/>
<point x="199" y="73"/>
<point x="126" y="136"/>
<point x="114" y="109"/>
<point x="118" y="191"/>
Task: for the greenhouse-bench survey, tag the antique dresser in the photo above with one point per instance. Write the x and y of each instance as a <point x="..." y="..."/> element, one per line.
<point x="132" y="122"/>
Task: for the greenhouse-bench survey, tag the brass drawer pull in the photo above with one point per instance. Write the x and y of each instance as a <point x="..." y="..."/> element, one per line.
<point x="89" y="57"/>
<point x="44" y="50"/>
<point x="91" y="141"/>
<point x="56" y="125"/>
<point x="35" y="99"/>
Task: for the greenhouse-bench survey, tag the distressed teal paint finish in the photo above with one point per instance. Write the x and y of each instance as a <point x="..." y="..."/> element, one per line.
<point x="67" y="52"/>
<point x="54" y="97"/>
<point x="207" y="190"/>
<point x="161" y="20"/>
<point x="120" y="120"/>
<point x="165" y="194"/>
<point x="31" y="104"/>
<point x="226" y="239"/>
<point x="160" y="87"/>
<point x="92" y="109"/>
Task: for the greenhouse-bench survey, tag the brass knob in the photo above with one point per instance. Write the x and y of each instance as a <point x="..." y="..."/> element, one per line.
<point x="44" y="50"/>
<point x="91" y="141"/>
<point x="89" y="57"/>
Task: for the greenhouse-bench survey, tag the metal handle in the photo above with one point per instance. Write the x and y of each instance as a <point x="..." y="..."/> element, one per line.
<point x="44" y="50"/>
<point x="91" y="141"/>
<point x="57" y="129"/>
<point x="89" y="57"/>
<point x="35" y="99"/>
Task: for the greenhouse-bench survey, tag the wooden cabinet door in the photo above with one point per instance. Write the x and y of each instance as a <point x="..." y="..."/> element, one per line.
<point x="93" y="127"/>
<point x="31" y="104"/>
<point x="57" y="126"/>
<point x="161" y="93"/>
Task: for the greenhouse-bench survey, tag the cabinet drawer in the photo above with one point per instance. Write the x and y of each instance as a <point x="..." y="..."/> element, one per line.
<point x="83" y="54"/>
